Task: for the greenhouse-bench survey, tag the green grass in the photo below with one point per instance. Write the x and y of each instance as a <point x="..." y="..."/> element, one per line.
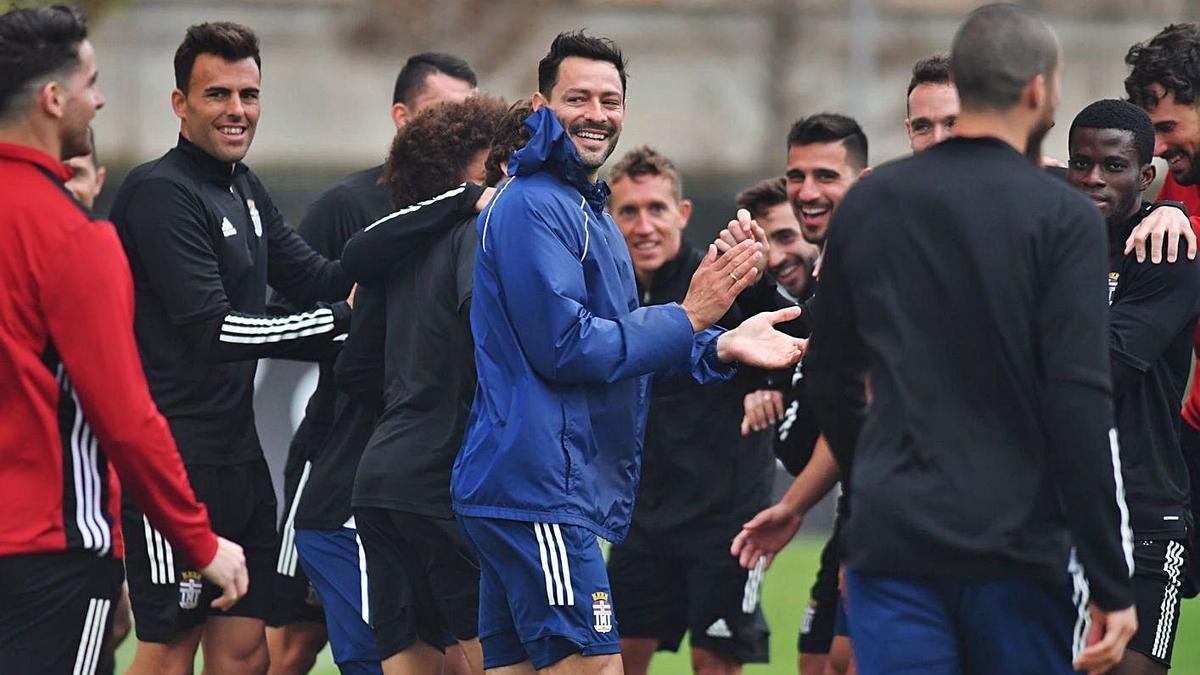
<point x="785" y="594"/>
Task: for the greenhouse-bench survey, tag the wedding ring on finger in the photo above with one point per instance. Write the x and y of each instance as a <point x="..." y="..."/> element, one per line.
<point x="733" y="276"/>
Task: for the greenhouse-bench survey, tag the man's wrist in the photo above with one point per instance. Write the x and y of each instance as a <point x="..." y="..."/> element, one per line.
<point x="1168" y="202"/>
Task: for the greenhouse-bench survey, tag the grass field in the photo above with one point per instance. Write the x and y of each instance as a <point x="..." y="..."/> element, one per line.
<point x="785" y="593"/>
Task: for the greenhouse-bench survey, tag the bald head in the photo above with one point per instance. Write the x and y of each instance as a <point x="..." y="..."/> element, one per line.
<point x="997" y="51"/>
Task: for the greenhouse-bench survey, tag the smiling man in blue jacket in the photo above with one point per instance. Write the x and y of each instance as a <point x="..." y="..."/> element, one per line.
<point x="565" y="360"/>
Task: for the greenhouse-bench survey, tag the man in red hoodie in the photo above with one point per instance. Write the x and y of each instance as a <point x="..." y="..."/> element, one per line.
<point x="75" y="411"/>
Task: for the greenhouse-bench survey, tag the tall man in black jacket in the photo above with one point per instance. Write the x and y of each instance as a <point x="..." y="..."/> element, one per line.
<point x="297" y="630"/>
<point x="988" y="454"/>
<point x="1152" y="322"/>
<point x="203" y="240"/>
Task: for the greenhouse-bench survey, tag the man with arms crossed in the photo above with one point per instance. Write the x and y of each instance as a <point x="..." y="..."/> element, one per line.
<point x="204" y="239"/>
<point x="1152" y="322"/>
<point x="75" y="411"/>
<point x="973" y="480"/>
<point x="565" y="358"/>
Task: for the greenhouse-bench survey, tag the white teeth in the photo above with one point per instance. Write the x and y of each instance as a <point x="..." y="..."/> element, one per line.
<point x="232" y="131"/>
<point x="645" y="246"/>
<point x="783" y="272"/>
<point x="592" y="135"/>
<point x="814" y="212"/>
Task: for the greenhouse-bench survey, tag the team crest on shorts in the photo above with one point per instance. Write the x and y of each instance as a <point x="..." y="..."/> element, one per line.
<point x="602" y="612"/>
<point x="189" y="589"/>
<point x="1113" y="279"/>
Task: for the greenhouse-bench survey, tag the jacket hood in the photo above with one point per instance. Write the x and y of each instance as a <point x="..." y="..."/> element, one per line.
<point x="550" y="149"/>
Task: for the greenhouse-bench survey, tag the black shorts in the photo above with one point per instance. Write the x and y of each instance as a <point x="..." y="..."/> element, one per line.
<point x="1189" y="445"/>
<point x="423" y="579"/>
<point x="56" y="612"/>
<point x="662" y="597"/>
<point x="166" y="591"/>
<point x="1160" y="566"/>
<point x="820" y="617"/>
<point x="295" y="599"/>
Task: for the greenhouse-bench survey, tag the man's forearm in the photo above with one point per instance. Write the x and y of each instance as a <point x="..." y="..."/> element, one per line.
<point x="814" y="482"/>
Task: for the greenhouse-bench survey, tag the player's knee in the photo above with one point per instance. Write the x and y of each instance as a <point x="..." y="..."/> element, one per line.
<point x="708" y="662"/>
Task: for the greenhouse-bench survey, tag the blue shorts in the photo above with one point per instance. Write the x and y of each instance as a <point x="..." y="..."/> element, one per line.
<point x="543" y="592"/>
<point x="336" y="565"/>
<point x="914" y="626"/>
<point x="841" y="625"/>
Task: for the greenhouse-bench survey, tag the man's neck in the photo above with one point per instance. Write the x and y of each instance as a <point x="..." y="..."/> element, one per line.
<point x="1001" y="125"/>
<point x="644" y="277"/>
<point x="22" y="132"/>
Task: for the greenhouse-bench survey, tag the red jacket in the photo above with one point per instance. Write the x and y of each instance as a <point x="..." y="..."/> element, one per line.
<point x="1189" y="195"/>
<point x="75" y="411"/>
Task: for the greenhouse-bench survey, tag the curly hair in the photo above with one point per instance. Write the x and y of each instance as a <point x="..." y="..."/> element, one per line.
<point x="1170" y="59"/>
<point x="431" y="153"/>
<point x="511" y="135"/>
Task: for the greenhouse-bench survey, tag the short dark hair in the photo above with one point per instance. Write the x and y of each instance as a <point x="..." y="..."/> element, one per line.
<point x="763" y="196"/>
<point x="1123" y="115"/>
<point x="584" y="46"/>
<point x="511" y="135"/>
<point x="231" y="41"/>
<point x="1170" y="59"/>
<point x="411" y="80"/>
<point x="831" y="128"/>
<point x="646" y="161"/>
<point x="430" y="154"/>
<point x="930" y="70"/>
<point x="996" y="52"/>
<point x="35" y="43"/>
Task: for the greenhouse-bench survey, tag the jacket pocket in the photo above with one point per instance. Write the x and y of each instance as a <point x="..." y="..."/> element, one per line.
<point x="565" y="445"/>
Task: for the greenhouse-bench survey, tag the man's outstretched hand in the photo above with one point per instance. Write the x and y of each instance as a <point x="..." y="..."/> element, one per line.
<point x="756" y="342"/>
<point x="765" y="535"/>
<point x="228" y="570"/>
<point x="718" y="281"/>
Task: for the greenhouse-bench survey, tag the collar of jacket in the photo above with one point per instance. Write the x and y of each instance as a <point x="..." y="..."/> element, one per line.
<point x="550" y="149"/>
<point x="684" y="263"/>
<point x="25" y="153"/>
<point x="210" y="167"/>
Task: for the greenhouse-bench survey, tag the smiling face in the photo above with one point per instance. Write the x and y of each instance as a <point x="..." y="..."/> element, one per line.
<point x="1176" y="135"/>
<point x="818" y="176"/>
<point x="932" y="111"/>
<point x="650" y="219"/>
<point x="589" y="102"/>
<point x="790" y="257"/>
<point x="220" y="110"/>
<point x="1104" y="166"/>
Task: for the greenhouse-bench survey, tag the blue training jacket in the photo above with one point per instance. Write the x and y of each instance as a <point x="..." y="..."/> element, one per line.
<point x="564" y="354"/>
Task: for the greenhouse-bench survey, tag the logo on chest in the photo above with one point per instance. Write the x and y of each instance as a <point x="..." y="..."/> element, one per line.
<point x="1113" y="278"/>
<point x="227" y="228"/>
<point x="254" y="218"/>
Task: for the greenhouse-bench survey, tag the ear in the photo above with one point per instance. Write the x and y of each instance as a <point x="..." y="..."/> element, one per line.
<point x="1146" y="176"/>
<point x="51" y="99"/>
<point x="539" y="101"/>
<point x="908" y="127"/>
<point x="400" y="115"/>
<point x="685" y="212"/>
<point x="179" y="103"/>
<point x="865" y="172"/>
<point x="1035" y="93"/>
<point x="101" y="174"/>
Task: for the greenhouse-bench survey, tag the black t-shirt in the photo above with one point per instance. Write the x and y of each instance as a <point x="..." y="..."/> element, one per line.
<point x="351" y="204"/>
<point x="203" y="240"/>
<point x="963" y="281"/>
<point x="429" y="378"/>
<point x="701" y="479"/>
<point x="1152" y="325"/>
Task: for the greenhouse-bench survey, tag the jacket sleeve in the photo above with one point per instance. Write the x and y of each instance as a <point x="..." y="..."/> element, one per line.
<point x="87" y="297"/>
<point x="796" y="435"/>
<point x="359" y="366"/>
<point x="1076" y="400"/>
<point x="294" y="269"/>
<point x="538" y="262"/>
<point x="1148" y="315"/>
<point x="370" y="253"/>
<point x="167" y="226"/>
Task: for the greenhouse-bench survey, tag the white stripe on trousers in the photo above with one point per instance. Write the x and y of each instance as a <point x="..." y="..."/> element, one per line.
<point x="91" y="639"/>
<point x="555" y="567"/>
<point x="287" y="539"/>
<point x="1173" y="566"/>
<point x="753" y="583"/>
<point x="364" y="593"/>
<point x="1080" y="597"/>
<point x="160" y="555"/>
